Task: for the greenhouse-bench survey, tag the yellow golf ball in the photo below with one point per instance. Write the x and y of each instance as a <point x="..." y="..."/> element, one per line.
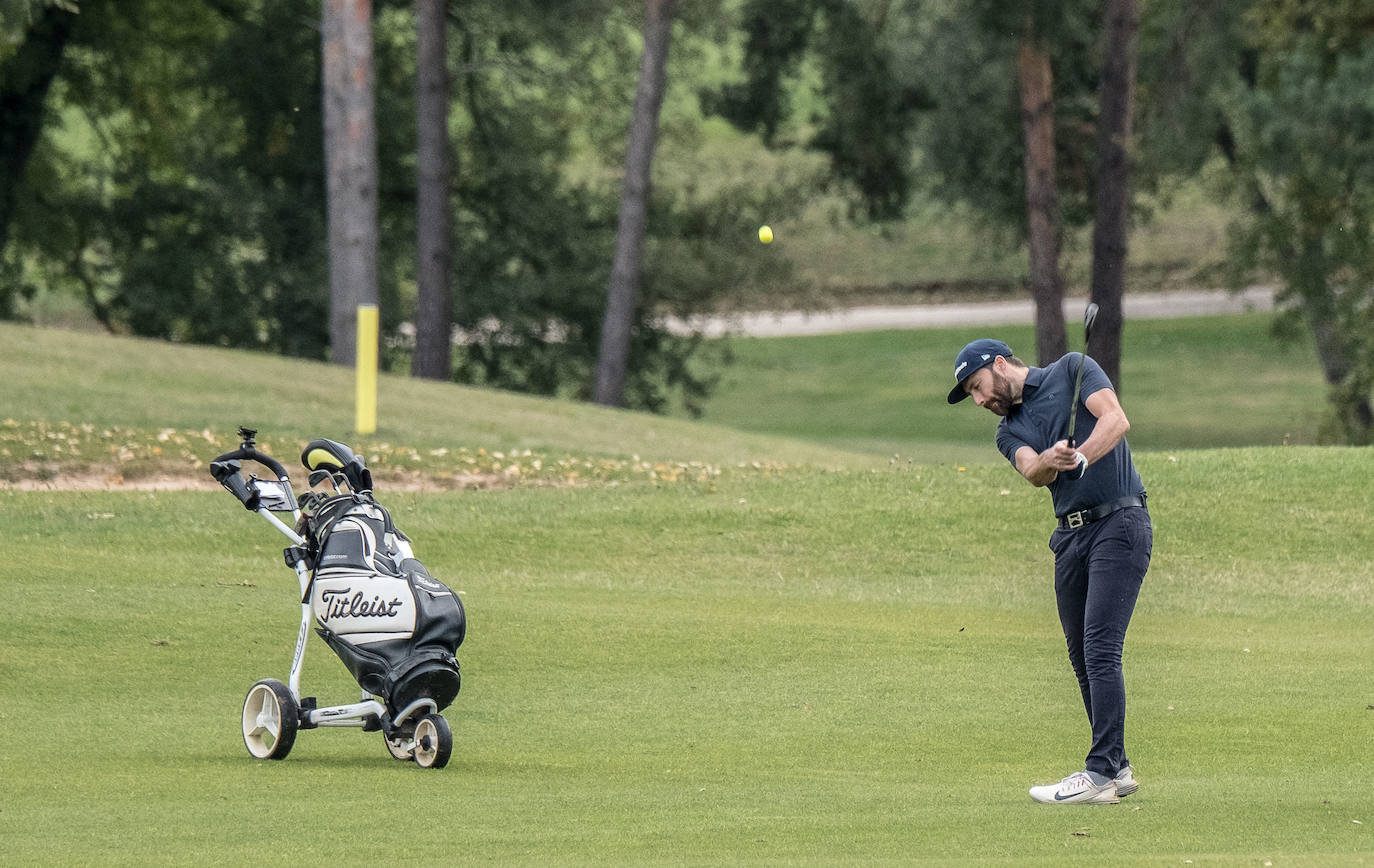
<point x="765" y="234"/>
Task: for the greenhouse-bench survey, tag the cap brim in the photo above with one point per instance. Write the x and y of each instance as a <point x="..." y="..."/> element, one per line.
<point x="958" y="393"/>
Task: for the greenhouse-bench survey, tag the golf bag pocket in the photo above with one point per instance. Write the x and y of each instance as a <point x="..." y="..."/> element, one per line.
<point x="362" y="608"/>
<point x="397" y="635"/>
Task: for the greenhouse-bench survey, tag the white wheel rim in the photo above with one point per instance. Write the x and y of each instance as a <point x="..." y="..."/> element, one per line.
<point x="261" y="721"/>
<point x="401" y="748"/>
<point x="426" y="743"/>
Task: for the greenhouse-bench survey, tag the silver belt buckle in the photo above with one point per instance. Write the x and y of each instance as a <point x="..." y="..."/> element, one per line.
<point x="1075" y="519"/>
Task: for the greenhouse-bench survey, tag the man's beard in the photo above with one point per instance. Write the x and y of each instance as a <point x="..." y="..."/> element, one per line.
<point x="1002" y="399"/>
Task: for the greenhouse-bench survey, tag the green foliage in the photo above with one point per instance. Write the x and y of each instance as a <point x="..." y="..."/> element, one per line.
<point x="1305" y="146"/>
<point x="776" y="38"/>
<point x="174" y="194"/>
<point x="180" y="189"/>
<point x="866" y="124"/>
<point x="534" y="238"/>
<point x="972" y="139"/>
<point x="1191" y="52"/>
<point x="867" y="132"/>
<point x="15" y="15"/>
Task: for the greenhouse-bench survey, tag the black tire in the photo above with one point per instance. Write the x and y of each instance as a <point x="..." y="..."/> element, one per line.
<point x="270" y="720"/>
<point x="433" y="742"/>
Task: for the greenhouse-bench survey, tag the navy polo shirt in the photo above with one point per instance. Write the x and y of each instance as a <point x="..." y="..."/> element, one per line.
<point x="1042" y="419"/>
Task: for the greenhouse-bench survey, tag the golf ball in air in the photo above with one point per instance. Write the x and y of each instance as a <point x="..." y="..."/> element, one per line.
<point x="765" y="234"/>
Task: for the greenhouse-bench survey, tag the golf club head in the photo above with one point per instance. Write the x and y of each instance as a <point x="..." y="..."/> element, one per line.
<point x="1089" y="317"/>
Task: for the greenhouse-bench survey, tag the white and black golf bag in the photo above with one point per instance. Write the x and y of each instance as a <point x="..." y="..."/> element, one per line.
<point x="393" y="625"/>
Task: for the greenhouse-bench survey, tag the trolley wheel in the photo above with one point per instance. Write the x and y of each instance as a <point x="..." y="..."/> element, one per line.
<point x="433" y="742"/>
<point x="401" y="743"/>
<point x="270" y="720"/>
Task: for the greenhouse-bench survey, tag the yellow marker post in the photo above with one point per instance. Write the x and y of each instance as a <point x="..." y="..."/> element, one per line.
<point x="366" y="391"/>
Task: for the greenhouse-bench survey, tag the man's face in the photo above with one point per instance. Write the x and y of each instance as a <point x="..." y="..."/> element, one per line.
<point x="991" y="389"/>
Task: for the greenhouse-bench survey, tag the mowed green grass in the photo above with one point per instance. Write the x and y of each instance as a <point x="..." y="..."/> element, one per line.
<point x="835" y="660"/>
<point x="54" y="376"/>
<point x="814" y="667"/>
<point x="1186" y="383"/>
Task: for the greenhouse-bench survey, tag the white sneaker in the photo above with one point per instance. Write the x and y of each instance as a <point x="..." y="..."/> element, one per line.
<point x="1077" y="789"/>
<point x="1126" y="782"/>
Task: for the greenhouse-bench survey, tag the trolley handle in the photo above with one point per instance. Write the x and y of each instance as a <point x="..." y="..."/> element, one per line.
<point x="225" y="469"/>
<point x="248" y="453"/>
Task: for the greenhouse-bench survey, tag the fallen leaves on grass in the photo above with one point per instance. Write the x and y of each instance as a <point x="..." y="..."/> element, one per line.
<point x="65" y="455"/>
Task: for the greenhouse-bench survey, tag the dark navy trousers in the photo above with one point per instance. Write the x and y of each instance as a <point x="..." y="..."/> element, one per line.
<point x="1098" y="570"/>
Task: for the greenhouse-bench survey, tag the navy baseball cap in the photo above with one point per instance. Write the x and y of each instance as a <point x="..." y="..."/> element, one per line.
<point x="975" y="356"/>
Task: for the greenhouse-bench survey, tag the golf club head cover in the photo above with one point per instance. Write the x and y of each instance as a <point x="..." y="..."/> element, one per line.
<point x="322" y="454"/>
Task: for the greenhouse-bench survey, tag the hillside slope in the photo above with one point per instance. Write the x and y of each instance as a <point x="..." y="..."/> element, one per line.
<point x="118" y="396"/>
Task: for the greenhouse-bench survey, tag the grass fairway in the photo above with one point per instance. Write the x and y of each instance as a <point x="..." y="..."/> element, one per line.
<point x="804" y="655"/>
<point x="1189" y="383"/>
<point x="815" y="667"/>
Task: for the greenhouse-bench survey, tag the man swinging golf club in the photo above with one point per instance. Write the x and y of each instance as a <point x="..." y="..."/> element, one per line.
<point x="1062" y="427"/>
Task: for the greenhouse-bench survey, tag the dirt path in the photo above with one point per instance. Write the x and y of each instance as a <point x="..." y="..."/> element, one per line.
<point x="1161" y="305"/>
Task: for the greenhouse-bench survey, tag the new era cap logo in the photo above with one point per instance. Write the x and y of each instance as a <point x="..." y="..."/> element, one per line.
<point x="959" y="369"/>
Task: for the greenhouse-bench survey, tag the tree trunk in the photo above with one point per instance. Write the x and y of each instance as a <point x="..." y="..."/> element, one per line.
<point x="1042" y="196"/>
<point x="24" y="80"/>
<point x="1122" y="20"/>
<point x="433" y="309"/>
<point x="613" y="358"/>
<point x="350" y="155"/>
<point x="1349" y="397"/>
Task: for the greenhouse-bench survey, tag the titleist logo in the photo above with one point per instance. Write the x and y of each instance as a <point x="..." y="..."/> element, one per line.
<point x="338" y="604"/>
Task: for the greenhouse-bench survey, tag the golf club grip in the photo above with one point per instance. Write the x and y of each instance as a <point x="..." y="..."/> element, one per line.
<point x="1073" y="407"/>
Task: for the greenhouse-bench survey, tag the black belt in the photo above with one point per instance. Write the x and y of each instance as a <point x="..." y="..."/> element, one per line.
<point x="1088" y="516"/>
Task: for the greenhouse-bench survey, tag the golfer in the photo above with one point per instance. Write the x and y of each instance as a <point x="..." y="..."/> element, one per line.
<point x="1103" y="542"/>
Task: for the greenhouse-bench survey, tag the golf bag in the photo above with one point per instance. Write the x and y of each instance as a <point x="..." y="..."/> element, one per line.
<point x="392" y="624"/>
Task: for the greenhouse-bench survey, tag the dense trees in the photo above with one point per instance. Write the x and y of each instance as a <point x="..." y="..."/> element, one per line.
<point x="1301" y="134"/>
<point x="182" y="140"/>
<point x="179" y="183"/>
<point x="164" y="160"/>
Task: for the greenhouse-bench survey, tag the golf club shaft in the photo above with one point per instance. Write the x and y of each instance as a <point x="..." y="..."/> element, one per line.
<point x="1089" y="317"/>
<point x="1073" y="409"/>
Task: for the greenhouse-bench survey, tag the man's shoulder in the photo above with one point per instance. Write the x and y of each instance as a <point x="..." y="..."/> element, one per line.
<point x="1013" y="428"/>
